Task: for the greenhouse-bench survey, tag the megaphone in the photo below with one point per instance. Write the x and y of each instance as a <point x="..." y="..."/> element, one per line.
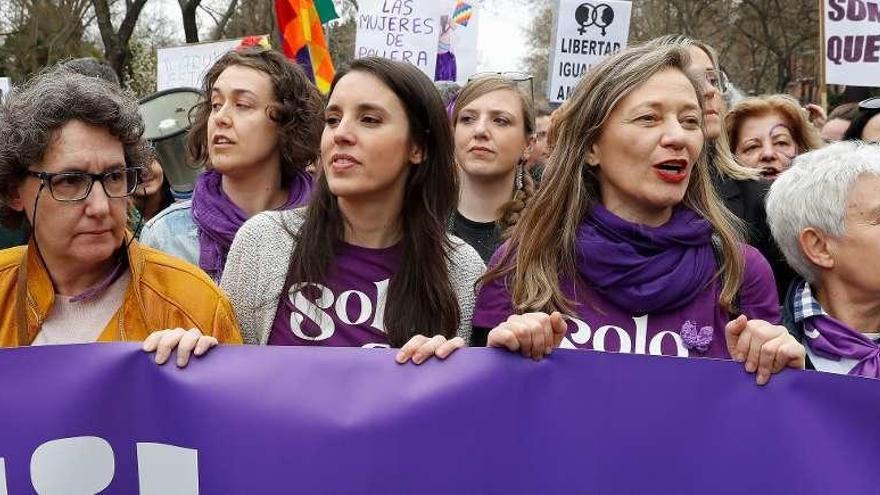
<point x="166" y="121"/>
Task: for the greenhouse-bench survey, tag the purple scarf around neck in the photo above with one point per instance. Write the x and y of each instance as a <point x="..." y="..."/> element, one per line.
<point x="646" y="269"/>
<point x="832" y="339"/>
<point x="218" y="218"/>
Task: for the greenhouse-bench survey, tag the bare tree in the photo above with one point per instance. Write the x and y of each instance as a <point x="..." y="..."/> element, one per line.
<point x="116" y="49"/>
<point x="252" y="17"/>
<point x="766" y="46"/>
<point x="37" y="33"/>
<point x="539" y="36"/>
<point x="188" y="9"/>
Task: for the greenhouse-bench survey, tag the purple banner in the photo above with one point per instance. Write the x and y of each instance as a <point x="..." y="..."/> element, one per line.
<point x="249" y="420"/>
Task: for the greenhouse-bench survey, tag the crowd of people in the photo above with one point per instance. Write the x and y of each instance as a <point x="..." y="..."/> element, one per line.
<point x="648" y="214"/>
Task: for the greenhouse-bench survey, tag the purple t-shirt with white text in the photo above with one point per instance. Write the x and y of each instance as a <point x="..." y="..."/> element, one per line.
<point x="599" y="324"/>
<point x="347" y="309"/>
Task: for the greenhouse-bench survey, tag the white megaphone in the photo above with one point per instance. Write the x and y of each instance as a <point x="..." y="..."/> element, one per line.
<point x="166" y="121"/>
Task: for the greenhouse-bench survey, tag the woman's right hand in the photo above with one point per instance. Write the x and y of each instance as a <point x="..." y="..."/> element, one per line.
<point x="533" y="335"/>
<point x="187" y="342"/>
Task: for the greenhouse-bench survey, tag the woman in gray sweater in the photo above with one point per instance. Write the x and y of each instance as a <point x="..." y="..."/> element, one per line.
<point x="368" y="263"/>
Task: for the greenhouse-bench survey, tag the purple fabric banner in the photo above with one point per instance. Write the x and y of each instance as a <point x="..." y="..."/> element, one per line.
<point x="249" y="420"/>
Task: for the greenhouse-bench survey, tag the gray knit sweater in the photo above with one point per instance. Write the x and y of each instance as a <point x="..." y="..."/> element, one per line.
<point x="257" y="267"/>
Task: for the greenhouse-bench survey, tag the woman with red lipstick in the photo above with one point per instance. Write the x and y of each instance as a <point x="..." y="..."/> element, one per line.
<point x="368" y="263"/>
<point x="493" y="120"/>
<point x="738" y="186"/>
<point x="767" y="132"/>
<point x="256" y="131"/>
<point x="628" y="237"/>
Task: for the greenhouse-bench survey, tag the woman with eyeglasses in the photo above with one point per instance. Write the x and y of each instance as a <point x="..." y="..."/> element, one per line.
<point x="866" y="125"/>
<point x="740" y="188"/>
<point x="628" y="238"/>
<point x="767" y="132"/>
<point x="71" y="154"/>
<point x="256" y="130"/>
<point x="493" y="121"/>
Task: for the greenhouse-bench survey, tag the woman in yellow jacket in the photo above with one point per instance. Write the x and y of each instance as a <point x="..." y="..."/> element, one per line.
<point x="71" y="152"/>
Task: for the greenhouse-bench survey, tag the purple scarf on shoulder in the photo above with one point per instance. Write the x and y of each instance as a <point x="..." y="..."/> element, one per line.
<point x="832" y="339"/>
<point x="646" y="269"/>
<point x="218" y="218"/>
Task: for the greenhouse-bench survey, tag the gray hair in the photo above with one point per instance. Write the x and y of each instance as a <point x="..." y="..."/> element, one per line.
<point x="34" y="112"/>
<point x="813" y="193"/>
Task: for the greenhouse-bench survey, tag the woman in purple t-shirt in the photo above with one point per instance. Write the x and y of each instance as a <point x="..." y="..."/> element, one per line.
<point x="368" y="263"/>
<point x="628" y="238"/>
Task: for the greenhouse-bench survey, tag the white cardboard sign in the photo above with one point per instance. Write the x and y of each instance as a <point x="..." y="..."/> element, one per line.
<point x="586" y="33"/>
<point x="402" y="30"/>
<point x="185" y="66"/>
<point x="852" y="42"/>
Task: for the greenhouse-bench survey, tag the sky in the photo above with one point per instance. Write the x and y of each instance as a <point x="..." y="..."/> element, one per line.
<point x="501" y="40"/>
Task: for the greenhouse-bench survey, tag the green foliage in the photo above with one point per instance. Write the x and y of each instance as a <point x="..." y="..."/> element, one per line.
<point x="140" y="78"/>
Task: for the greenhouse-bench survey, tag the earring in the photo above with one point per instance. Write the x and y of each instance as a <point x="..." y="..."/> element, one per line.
<point x="520" y="174"/>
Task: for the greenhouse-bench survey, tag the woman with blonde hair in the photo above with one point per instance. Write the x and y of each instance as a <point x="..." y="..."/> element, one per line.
<point x="493" y="120"/>
<point x="767" y="132"/>
<point x="628" y="237"/>
<point x="739" y="187"/>
<point x="736" y="185"/>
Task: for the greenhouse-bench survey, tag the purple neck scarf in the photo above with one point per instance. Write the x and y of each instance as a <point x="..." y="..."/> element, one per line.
<point x="95" y="291"/>
<point x="218" y="218"/>
<point x="646" y="269"/>
<point x="832" y="339"/>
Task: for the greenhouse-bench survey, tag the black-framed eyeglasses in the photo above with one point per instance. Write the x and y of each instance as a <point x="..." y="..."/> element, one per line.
<point x="870" y="104"/>
<point x="520" y="78"/>
<point x="76" y="186"/>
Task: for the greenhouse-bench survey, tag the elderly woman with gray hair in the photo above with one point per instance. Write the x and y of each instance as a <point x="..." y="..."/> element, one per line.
<point x="832" y="239"/>
<point x="71" y="153"/>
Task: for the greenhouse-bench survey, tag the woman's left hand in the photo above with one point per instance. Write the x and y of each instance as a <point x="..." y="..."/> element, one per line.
<point x="185" y="341"/>
<point x="421" y="348"/>
<point x="766" y="349"/>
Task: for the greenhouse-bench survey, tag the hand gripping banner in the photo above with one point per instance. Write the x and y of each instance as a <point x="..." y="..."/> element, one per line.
<point x="246" y="420"/>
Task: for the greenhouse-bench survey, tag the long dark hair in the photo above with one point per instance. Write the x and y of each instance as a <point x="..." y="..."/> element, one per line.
<point x="420" y="296"/>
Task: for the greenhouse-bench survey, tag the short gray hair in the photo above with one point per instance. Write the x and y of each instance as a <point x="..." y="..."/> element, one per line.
<point x="33" y="113"/>
<point x="813" y="193"/>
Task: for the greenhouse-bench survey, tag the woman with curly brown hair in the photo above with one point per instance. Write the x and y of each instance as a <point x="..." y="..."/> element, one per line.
<point x="256" y="130"/>
<point x="493" y="121"/>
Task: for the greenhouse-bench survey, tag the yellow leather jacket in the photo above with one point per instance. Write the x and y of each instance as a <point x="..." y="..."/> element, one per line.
<point x="164" y="292"/>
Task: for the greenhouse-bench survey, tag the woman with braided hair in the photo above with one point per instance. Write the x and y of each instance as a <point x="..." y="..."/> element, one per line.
<point x="493" y="121"/>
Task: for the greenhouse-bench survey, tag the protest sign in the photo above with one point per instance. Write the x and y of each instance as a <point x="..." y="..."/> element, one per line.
<point x="852" y="42"/>
<point x="243" y="419"/>
<point x="586" y="33"/>
<point x="5" y="87"/>
<point x="460" y="38"/>
<point x="185" y="66"/>
<point x="403" y="30"/>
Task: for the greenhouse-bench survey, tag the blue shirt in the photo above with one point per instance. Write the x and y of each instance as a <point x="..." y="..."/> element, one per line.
<point x="173" y="231"/>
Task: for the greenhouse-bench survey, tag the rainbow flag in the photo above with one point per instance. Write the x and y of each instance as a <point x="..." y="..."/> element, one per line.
<point x="462" y="13"/>
<point x="303" y="37"/>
